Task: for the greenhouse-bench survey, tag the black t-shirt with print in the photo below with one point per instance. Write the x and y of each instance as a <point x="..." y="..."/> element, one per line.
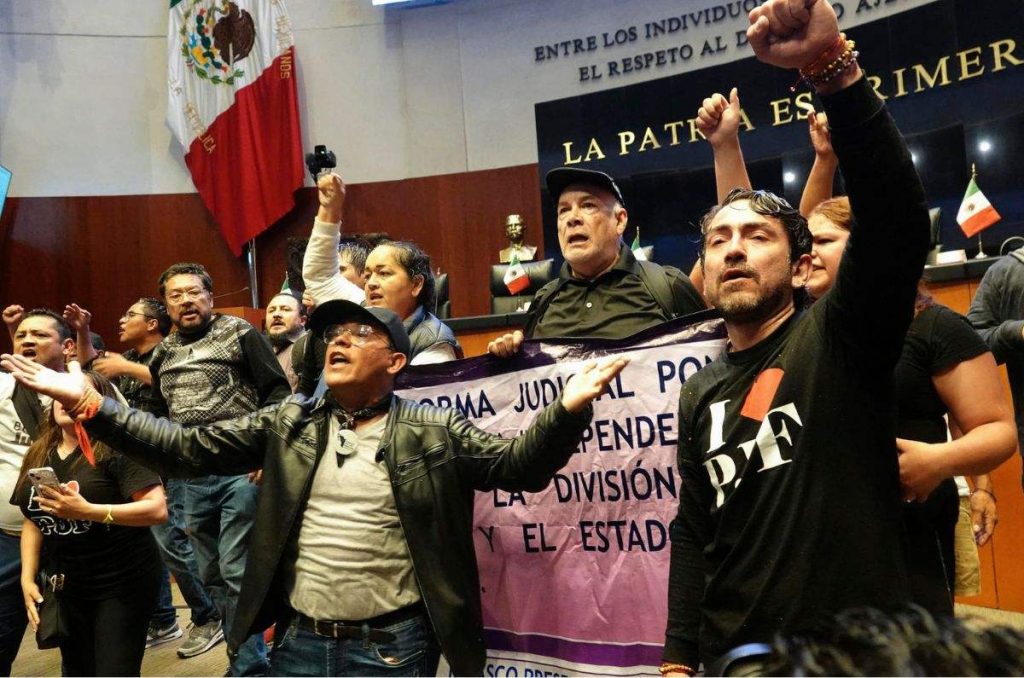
<point x="790" y="498"/>
<point x="98" y="560"/>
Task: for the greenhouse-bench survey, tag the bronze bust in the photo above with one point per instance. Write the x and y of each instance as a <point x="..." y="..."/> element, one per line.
<point x="514" y="226"/>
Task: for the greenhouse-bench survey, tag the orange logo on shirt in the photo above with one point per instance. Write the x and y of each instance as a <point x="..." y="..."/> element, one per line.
<point x="759" y="400"/>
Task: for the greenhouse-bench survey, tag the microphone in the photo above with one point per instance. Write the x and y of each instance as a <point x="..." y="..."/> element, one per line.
<point x="228" y="294"/>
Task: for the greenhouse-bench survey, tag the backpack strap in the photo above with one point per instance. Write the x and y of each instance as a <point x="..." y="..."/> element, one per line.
<point x="656" y="279"/>
<point x="26" y="404"/>
<point x="539" y="305"/>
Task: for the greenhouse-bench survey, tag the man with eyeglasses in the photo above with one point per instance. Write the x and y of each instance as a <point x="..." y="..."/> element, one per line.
<point x="214" y="367"/>
<point x="362" y="551"/>
<point x="142" y="327"/>
<point x="790" y="503"/>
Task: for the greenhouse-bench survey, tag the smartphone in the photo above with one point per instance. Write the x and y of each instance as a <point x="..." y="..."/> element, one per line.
<point x="43" y="475"/>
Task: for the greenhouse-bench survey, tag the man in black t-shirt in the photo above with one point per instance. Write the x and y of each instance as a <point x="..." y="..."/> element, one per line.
<point x="790" y="499"/>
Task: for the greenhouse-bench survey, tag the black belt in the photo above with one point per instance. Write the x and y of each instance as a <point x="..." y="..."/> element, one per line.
<point x="370" y="629"/>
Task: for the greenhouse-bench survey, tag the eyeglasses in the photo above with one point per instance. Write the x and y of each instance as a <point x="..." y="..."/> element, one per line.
<point x="128" y="315"/>
<point x="177" y="297"/>
<point x="357" y="333"/>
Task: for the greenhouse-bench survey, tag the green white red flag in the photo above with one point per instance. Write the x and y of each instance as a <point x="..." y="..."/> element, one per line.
<point x="232" y="105"/>
<point x="638" y="252"/>
<point x="515" y="278"/>
<point x="976" y="213"/>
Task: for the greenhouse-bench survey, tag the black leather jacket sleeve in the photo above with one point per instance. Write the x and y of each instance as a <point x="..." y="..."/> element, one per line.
<point x="227" y="448"/>
<point x="524" y="463"/>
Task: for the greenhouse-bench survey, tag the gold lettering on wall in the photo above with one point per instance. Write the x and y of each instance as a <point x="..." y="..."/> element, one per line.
<point x="922" y="75"/>
<point x="780" y="112"/>
<point x="968" y="63"/>
<point x="1003" y="49"/>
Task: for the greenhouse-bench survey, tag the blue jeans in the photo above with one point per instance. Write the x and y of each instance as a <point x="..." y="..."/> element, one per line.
<point x="414" y="652"/>
<point x="179" y="560"/>
<point x="218" y="513"/>
<point x="13" y="617"/>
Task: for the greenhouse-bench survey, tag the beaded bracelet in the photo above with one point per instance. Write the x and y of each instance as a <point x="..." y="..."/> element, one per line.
<point x="669" y="667"/>
<point x="816" y="74"/>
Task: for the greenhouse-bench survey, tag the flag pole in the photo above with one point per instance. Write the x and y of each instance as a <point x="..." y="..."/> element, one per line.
<point x="250" y="263"/>
<point x="981" y="248"/>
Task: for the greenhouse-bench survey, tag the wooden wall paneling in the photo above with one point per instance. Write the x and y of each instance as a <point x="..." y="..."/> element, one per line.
<point x="1008" y="541"/>
<point x="485" y="199"/>
<point x="272" y="244"/>
<point x="33" y="264"/>
<point x="955" y="295"/>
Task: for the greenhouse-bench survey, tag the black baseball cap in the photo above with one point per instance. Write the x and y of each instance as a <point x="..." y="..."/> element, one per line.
<point x="561" y="178"/>
<point x="341" y="311"/>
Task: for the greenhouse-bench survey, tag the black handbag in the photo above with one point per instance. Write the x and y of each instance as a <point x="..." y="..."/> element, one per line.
<point x="53" y="621"/>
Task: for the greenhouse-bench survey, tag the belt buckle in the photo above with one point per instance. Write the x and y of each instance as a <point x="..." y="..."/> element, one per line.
<point x="328" y="629"/>
<point x="57" y="582"/>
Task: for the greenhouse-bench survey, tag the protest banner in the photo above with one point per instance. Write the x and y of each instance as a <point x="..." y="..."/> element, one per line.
<point x="574" y="578"/>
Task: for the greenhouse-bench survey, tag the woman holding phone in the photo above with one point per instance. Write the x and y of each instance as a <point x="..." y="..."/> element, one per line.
<point x="85" y="522"/>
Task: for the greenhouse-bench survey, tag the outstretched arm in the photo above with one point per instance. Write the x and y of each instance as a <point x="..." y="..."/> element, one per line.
<point x="226" y="448"/>
<point x="718" y="120"/>
<point x="528" y="461"/>
<point x="823" y="172"/>
<point x="872" y="300"/>
<point x="321" y="263"/>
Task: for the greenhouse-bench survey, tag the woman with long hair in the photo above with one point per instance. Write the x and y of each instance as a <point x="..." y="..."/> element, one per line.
<point x="91" y="533"/>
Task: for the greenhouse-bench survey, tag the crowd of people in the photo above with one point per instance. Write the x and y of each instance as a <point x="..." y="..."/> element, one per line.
<point x="279" y="480"/>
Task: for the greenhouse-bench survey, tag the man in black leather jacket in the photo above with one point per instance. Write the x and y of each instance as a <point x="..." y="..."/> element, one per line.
<point x="416" y="592"/>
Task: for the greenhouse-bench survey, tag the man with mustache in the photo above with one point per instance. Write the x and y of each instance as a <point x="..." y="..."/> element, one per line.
<point x="790" y="502"/>
<point x="362" y="551"/>
<point x="602" y="290"/>
<point x="214" y="367"/>
<point x="286" y="323"/>
<point x="43" y="337"/>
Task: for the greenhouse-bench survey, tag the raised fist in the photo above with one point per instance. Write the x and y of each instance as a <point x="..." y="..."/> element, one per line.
<point x="792" y="33"/>
<point x="13" y="315"/>
<point x="718" y="119"/>
<point x="331" y="192"/>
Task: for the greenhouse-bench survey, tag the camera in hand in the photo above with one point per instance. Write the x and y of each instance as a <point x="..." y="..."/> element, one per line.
<point x="320" y="160"/>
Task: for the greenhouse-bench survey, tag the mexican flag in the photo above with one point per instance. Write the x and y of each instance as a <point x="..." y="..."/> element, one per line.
<point x="515" y="278"/>
<point x="232" y="105"/>
<point x="638" y="253"/>
<point x="976" y="213"/>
